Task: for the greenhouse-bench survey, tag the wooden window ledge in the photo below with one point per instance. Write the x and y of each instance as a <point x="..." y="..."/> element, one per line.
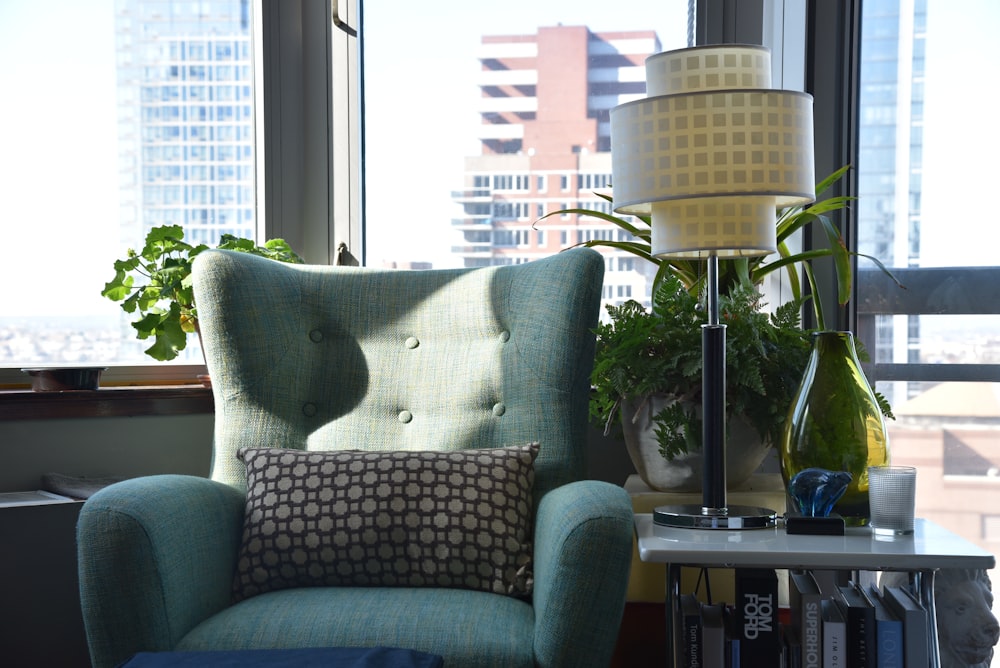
<point x="106" y="402"/>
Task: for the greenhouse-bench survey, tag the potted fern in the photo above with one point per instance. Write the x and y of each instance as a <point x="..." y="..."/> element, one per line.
<point x="647" y="371"/>
<point x="155" y="284"/>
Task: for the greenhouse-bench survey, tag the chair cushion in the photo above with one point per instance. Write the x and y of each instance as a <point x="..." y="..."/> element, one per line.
<point x="466" y="627"/>
<point x="401" y="518"/>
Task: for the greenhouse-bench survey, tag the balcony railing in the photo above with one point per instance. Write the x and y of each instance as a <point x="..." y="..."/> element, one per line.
<point x="939" y="291"/>
<point x="470" y="195"/>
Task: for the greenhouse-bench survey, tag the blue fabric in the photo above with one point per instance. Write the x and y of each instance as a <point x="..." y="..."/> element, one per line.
<point x="326" y="657"/>
<point x="325" y="358"/>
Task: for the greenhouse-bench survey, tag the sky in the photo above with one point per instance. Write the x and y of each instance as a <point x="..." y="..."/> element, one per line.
<point x="961" y="140"/>
<point x="58" y="156"/>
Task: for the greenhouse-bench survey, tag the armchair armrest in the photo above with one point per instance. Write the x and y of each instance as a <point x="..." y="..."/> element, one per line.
<point x="583" y="556"/>
<point x="156" y="557"/>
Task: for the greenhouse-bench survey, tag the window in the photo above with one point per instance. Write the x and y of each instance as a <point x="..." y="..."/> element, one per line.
<point x="117" y="163"/>
<point x="934" y="345"/>
<point x="586" y="182"/>
<point x="172" y="144"/>
<point x="511" y="238"/>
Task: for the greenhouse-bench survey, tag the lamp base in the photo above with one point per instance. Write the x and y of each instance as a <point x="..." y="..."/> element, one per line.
<point x="731" y="518"/>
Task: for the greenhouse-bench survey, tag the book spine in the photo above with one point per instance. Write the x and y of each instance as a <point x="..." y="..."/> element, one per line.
<point x="834" y="636"/>
<point x="914" y="617"/>
<point x="890" y="646"/>
<point x="861" y="638"/>
<point x="811" y="634"/>
<point x="732" y="637"/>
<point x="804" y="599"/>
<point x="713" y="636"/>
<point x="757" y="610"/>
<point x="888" y="632"/>
<point x="691" y="632"/>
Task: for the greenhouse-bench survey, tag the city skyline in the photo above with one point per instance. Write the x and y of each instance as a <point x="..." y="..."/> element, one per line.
<point x="71" y="227"/>
<point x="545" y="145"/>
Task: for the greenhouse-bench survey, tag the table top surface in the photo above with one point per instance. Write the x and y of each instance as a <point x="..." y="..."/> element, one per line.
<point x="930" y="547"/>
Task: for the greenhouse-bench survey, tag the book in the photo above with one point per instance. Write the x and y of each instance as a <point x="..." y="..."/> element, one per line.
<point x="916" y="641"/>
<point x="713" y="636"/>
<point x="690" y="619"/>
<point x="757" y="614"/>
<point x="888" y="632"/>
<point x="34" y="498"/>
<point x="804" y="599"/>
<point x="834" y="635"/>
<point x="860" y="617"/>
<point x="732" y="637"/>
<point x="791" y="647"/>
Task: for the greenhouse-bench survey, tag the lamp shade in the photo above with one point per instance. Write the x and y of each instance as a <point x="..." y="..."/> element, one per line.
<point x="712" y="152"/>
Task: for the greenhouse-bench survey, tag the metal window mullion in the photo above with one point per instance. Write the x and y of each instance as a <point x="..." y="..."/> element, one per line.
<point x="298" y="148"/>
<point x="346" y="134"/>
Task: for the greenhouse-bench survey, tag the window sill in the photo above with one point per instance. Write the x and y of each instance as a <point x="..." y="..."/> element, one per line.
<point x="106" y="402"/>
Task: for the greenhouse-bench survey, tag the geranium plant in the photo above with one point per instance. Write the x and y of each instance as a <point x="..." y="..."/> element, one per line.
<point x="155" y="284"/>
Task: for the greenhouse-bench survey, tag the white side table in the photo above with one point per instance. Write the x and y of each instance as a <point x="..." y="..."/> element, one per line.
<point x="929" y="549"/>
<point x="646" y="582"/>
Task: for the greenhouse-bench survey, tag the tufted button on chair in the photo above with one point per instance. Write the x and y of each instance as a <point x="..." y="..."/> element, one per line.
<point x="323" y="361"/>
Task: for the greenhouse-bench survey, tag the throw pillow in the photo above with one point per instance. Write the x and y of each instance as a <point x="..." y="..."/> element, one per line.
<point x="409" y="519"/>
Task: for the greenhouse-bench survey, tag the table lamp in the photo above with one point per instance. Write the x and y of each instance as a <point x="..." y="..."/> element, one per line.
<point x="710" y="155"/>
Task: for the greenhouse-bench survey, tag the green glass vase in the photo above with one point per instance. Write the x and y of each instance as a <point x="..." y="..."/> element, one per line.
<point x="835" y="423"/>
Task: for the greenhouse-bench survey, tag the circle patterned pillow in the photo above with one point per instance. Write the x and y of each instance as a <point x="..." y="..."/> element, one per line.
<point x="395" y="519"/>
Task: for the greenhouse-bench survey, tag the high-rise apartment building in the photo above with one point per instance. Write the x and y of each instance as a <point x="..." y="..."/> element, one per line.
<point x="186" y="124"/>
<point x="545" y="146"/>
<point x="890" y="157"/>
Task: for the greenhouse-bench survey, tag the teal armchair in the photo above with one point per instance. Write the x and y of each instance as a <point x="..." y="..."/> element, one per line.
<point x="322" y="359"/>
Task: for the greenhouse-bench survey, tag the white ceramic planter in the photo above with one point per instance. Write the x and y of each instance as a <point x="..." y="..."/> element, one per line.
<point x="744" y="450"/>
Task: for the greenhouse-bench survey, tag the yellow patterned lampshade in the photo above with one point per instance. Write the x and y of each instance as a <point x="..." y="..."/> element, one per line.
<point x="712" y="152"/>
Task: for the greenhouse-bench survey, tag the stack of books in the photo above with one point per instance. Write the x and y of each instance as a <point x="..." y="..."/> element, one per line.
<point x="852" y="626"/>
<point x="829" y="624"/>
<point x="718" y="635"/>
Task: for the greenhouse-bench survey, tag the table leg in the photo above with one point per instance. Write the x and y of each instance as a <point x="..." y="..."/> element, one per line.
<point x="925" y="590"/>
<point x="673" y="597"/>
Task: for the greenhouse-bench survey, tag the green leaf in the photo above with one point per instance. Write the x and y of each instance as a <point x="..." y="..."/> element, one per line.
<point x="828" y="182"/>
<point x="119" y="287"/>
<point x="147" y="325"/>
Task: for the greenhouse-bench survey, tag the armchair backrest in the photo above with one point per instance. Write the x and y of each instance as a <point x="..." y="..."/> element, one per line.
<point x="325" y="358"/>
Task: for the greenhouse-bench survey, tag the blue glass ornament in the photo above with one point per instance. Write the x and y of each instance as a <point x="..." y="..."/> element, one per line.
<point x="816" y="490"/>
